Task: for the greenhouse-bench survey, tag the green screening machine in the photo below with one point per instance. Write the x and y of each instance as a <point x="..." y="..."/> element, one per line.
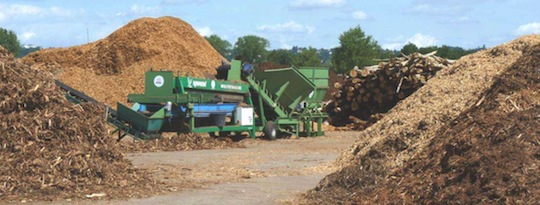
<point x="242" y="99"/>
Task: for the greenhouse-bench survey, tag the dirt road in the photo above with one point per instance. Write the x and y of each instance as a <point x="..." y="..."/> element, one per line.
<point x="266" y="172"/>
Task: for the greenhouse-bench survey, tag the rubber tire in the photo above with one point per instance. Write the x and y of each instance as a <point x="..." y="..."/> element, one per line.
<point x="270" y="130"/>
<point x="212" y="134"/>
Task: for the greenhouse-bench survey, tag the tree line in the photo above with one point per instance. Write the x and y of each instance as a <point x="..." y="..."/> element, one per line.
<point x="254" y="49"/>
<point x="355" y="49"/>
<point x="9" y="40"/>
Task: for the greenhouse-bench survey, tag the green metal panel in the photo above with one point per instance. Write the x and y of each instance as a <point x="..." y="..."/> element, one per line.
<point x="213" y="85"/>
<point x="158" y="83"/>
<point x="140" y="121"/>
<point x="234" y="72"/>
<point x="233" y="128"/>
<point x="319" y="77"/>
<point x="287" y="86"/>
<point x="178" y="98"/>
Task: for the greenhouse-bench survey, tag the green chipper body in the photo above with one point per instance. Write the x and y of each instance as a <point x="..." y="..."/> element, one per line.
<point x="286" y="101"/>
<point x="319" y="77"/>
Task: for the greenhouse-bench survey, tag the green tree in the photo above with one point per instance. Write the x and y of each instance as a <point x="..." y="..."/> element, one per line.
<point x="8" y="40"/>
<point x="356" y="49"/>
<point x="428" y="49"/>
<point x="252" y="48"/>
<point x="281" y="57"/>
<point x="221" y="46"/>
<point x="25" y="51"/>
<point x="309" y="57"/>
<point x="409" y="48"/>
<point x="451" y="52"/>
<point x="325" y="54"/>
<point x="386" y="54"/>
<point x="444" y="51"/>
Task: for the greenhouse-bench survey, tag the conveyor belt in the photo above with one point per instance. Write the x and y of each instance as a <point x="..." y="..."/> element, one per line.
<point x="123" y="128"/>
<point x="80" y="96"/>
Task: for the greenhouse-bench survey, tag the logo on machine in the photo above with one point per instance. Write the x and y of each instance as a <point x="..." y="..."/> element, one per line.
<point x="197" y="83"/>
<point x="159" y="81"/>
<point x="231" y="87"/>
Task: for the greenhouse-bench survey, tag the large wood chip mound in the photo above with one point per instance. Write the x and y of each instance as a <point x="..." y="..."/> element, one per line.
<point x="470" y="135"/>
<point x="489" y="154"/>
<point x="111" y="68"/>
<point x="52" y="149"/>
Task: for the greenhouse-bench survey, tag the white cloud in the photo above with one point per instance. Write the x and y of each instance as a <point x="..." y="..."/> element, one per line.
<point x="57" y="11"/>
<point x="392" y="46"/>
<point x="176" y="2"/>
<point x="15" y="10"/>
<point x="23" y="9"/>
<point x="531" y="28"/>
<point x="420" y="40"/>
<point x="285" y="35"/>
<point x="137" y="10"/>
<point x="287" y="27"/>
<point x="462" y="20"/>
<point x="360" y="15"/>
<point x="315" y="4"/>
<point x="28" y="35"/>
<point x="284" y="44"/>
<point x="140" y="10"/>
<point x="438" y="9"/>
<point x="425" y="8"/>
<point x="19" y="11"/>
<point x="205" y="31"/>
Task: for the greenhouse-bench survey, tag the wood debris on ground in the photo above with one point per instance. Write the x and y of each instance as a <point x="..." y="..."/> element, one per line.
<point x="52" y="149"/>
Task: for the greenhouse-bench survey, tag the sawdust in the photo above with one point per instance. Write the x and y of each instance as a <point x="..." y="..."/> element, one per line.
<point x="411" y="127"/>
<point x="52" y="149"/>
<point x="111" y="68"/>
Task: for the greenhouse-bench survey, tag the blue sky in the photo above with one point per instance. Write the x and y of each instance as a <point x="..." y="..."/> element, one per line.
<point x="285" y="23"/>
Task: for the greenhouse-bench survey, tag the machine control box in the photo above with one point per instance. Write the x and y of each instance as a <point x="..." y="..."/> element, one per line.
<point x="244" y="115"/>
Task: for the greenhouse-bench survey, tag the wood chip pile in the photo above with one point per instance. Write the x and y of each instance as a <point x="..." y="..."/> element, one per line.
<point x="469" y="136"/>
<point x="52" y="149"/>
<point x="181" y="142"/>
<point x="368" y="92"/>
<point x="111" y="68"/>
<point x="489" y="154"/>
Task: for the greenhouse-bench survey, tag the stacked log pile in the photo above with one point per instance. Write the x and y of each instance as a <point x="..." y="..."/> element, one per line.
<point x="367" y="93"/>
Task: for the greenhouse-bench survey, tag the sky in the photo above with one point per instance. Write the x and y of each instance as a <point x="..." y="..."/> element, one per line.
<point x="285" y="23"/>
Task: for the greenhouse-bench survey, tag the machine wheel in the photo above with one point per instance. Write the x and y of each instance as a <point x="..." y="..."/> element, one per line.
<point x="212" y="134"/>
<point x="270" y="130"/>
